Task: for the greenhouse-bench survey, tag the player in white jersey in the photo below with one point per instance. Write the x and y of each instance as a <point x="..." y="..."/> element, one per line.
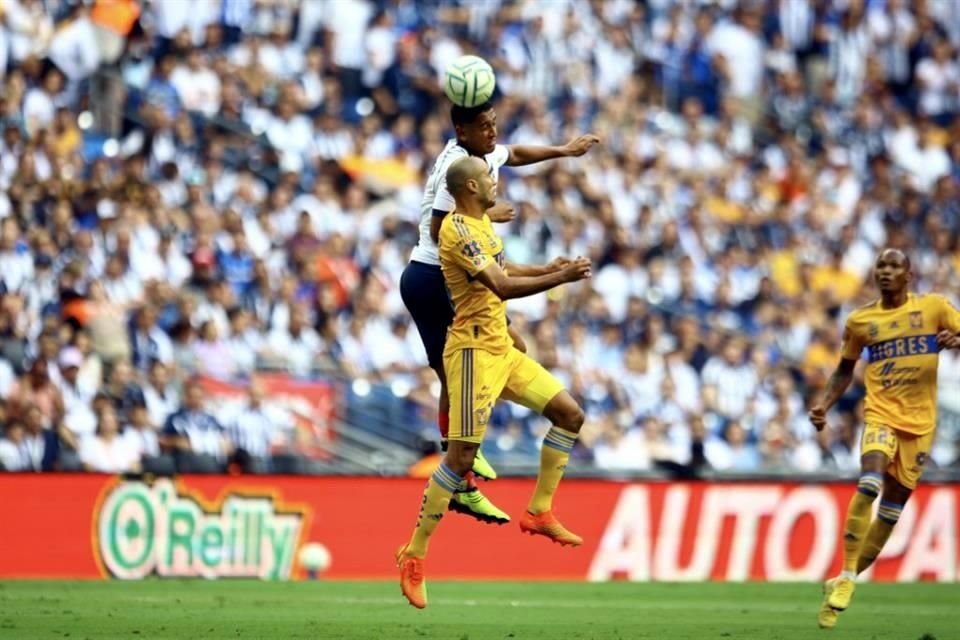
<point x="422" y="287"/>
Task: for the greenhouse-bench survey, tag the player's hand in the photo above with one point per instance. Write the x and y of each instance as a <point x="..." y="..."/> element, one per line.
<point x="557" y="264"/>
<point x="579" y="269"/>
<point x="948" y="340"/>
<point x="818" y="416"/>
<point x="580" y="145"/>
<point x="502" y="212"/>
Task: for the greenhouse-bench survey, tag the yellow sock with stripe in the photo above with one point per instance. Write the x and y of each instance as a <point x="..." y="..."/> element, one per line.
<point x="879" y="533"/>
<point x="858" y="520"/>
<point x="554" y="455"/>
<point x="436" y="498"/>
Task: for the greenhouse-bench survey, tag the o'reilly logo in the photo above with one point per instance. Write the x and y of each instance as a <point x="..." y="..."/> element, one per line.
<point x="143" y="529"/>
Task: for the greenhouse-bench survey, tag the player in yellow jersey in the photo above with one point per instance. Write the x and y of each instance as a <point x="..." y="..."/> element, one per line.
<point x="482" y="365"/>
<point x="900" y="334"/>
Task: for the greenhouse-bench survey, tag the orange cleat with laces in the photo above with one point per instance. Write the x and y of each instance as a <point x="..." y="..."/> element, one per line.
<point x="546" y="524"/>
<point x="412" y="584"/>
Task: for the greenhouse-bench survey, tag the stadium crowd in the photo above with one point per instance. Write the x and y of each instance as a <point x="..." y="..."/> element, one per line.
<point x="228" y="186"/>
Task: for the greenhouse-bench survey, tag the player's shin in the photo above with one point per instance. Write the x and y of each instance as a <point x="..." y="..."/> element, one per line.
<point x="554" y="455"/>
<point x="858" y="520"/>
<point x="879" y="533"/>
<point x="436" y="499"/>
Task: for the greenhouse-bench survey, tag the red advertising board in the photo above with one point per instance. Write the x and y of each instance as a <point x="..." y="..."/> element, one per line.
<point x="90" y="526"/>
<point x="310" y="404"/>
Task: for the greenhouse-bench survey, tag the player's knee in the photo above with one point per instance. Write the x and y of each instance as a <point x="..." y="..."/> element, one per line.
<point x="889" y="511"/>
<point x="460" y="456"/>
<point x="870" y="484"/>
<point x="572" y="419"/>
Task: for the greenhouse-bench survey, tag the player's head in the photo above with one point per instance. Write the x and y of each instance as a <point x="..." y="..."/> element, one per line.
<point x="892" y="271"/>
<point x="469" y="180"/>
<point x="476" y="127"/>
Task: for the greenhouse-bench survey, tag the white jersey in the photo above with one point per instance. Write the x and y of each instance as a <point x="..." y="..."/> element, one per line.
<point x="436" y="196"/>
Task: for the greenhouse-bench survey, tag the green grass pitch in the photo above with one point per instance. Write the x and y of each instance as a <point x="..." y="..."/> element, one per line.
<point x="466" y="611"/>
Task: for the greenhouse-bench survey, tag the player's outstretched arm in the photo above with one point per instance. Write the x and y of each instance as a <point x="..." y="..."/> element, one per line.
<point x="507" y="287"/>
<point x="523" y="154"/>
<point x="836" y="386"/>
<point x="515" y="269"/>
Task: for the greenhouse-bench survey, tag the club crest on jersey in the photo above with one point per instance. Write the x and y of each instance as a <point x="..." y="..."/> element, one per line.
<point x="873" y="330"/>
<point x="916" y="319"/>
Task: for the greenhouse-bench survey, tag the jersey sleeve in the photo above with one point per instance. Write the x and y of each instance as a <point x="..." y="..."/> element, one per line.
<point x="949" y="315"/>
<point x="458" y="246"/>
<point x="443" y="202"/>
<point x="851" y="345"/>
<point x="499" y="156"/>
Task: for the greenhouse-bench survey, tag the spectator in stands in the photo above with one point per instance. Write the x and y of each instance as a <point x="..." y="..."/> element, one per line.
<point x="107" y="451"/>
<point x="255" y="430"/>
<point x="194" y="437"/>
<point x="160" y="396"/>
<point x="122" y="391"/>
<point x="39" y="445"/>
<point x="141" y="436"/>
<point x="77" y="395"/>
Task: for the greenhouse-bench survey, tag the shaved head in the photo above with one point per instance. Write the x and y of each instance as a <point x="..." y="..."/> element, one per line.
<point x="896" y="255"/>
<point x="461" y="171"/>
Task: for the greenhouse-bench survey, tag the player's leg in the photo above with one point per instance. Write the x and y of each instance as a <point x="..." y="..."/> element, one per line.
<point x="892" y="502"/>
<point x="878" y="447"/>
<point x="475" y="382"/>
<point x="425" y="295"/>
<point x="534" y="387"/>
<point x="901" y="479"/>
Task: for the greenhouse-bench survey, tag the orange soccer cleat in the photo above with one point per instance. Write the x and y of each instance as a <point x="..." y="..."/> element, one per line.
<point x="412" y="584"/>
<point x="546" y="524"/>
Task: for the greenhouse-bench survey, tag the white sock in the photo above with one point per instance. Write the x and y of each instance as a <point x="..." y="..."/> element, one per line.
<point x="852" y="575"/>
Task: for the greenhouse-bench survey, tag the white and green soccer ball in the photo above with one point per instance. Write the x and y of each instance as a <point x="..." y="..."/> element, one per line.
<point x="469" y="81"/>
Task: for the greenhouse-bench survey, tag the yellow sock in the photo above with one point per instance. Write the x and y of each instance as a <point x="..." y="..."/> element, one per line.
<point x="878" y="534"/>
<point x="858" y="519"/>
<point x="554" y="455"/>
<point x="436" y="499"/>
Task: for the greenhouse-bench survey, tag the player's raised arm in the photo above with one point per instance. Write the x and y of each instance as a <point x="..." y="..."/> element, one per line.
<point x="515" y="269"/>
<point x="507" y="287"/>
<point x="523" y="154"/>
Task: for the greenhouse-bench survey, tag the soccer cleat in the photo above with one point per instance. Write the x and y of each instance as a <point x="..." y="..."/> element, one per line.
<point x="546" y="524"/>
<point x="842" y="593"/>
<point x="476" y="505"/>
<point x="483" y="468"/>
<point x="412" y="584"/>
<point x="827" y="616"/>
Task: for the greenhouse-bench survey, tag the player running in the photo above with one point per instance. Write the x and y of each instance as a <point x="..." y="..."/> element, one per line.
<point x="421" y="285"/>
<point x="482" y="365"/>
<point x="902" y="333"/>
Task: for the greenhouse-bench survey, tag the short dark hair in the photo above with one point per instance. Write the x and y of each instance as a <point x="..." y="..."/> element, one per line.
<point x="467" y="115"/>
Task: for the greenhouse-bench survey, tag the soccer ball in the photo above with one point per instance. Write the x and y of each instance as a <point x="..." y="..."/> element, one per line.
<point x="315" y="558"/>
<point x="469" y="81"/>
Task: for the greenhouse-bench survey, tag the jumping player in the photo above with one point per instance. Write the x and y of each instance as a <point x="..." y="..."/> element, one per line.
<point x="421" y="285"/>
<point x="483" y="365"/>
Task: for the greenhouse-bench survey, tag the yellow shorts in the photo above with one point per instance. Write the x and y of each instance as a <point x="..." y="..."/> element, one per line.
<point x="906" y="452"/>
<point x="477" y="378"/>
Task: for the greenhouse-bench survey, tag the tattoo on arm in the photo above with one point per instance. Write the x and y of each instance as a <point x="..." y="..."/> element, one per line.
<point x="838" y="382"/>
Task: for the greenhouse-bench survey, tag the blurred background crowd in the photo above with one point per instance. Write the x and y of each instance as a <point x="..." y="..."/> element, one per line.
<point x="195" y="191"/>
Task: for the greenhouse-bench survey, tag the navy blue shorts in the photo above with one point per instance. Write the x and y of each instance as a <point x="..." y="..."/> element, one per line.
<point x="425" y="295"/>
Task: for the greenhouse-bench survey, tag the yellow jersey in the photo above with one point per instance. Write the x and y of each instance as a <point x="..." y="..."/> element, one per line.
<point x="901" y="355"/>
<point x="468" y="246"/>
